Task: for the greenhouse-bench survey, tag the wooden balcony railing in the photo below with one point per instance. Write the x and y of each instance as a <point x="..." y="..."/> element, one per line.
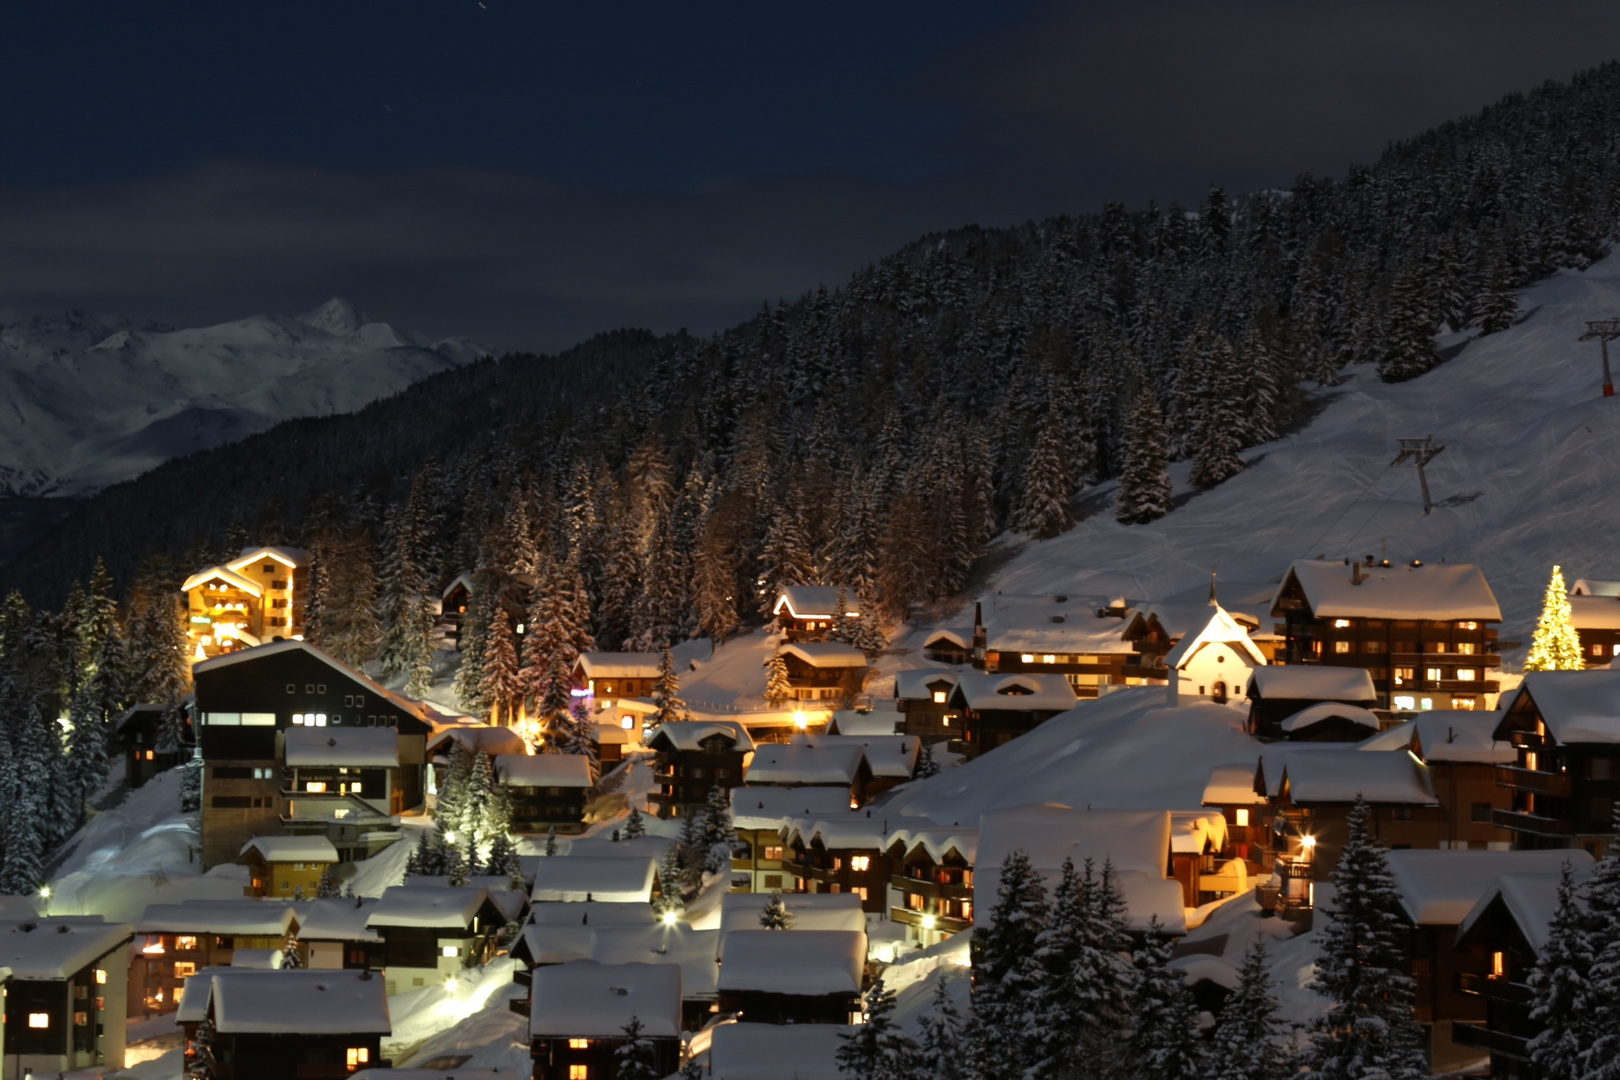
<point x="1554" y="784"/>
<point x="1530" y="823"/>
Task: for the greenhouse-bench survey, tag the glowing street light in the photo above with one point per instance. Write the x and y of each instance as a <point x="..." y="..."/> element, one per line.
<point x="800" y="719"/>
<point x="670" y="918"/>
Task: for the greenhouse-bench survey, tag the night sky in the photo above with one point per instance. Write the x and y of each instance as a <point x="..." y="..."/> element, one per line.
<point x="528" y="173"/>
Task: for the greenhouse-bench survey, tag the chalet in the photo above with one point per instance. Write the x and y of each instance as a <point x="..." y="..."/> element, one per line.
<point x="272" y="1025"/>
<point x="612" y="739"/>
<point x="248" y="705"/>
<point x="810" y="911"/>
<point x="492" y="739"/>
<point x="1597" y="623"/>
<point x="607" y="676"/>
<point x="1231" y="790"/>
<point x="572" y="879"/>
<point x="1067" y="636"/>
<point x="453" y="604"/>
<point x="881" y="719"/>
<point x="578" y="1013"/>
<point x="747" y="1051"/>
<point x="1312" y="703"/>
<point x="923" y="698"/>
<point x="794" y="976"/>
<point x="842" y="855"/>
<point x="1136" y="842"/>
<point x="335" y="936"/>
<point x="1199" y="846"/>
<point x="430" y="933"/>
<point x="175" y="941"/>
<point x="824" y="670"/>
<point x="1315" y="793"/>
<point x="1463" y="755"/>
<point x="1152" y="630"/>
<point x="1215" y="659"/>
<point x="65" y="1001"/>
<point x="1501" y="936"/>
<point x="1565" y="726"/>
<point x="1594" y="587"/>
<point x="931" y="880"/>
<point x="950" y="645"/>
<point x="138" y="732"/>
<point x="996" y="709"/>
<point x="548" y="791"/>
<point x="759" y="814"/>
<point x="891" y="760"/>
<point x="807" y="612"/>
<point x="287" y="867"/>
<point x="1424" y="632"/>
<point x="695" y="757"/>
<point x="255" y="598"/>
<point x="798" y="764"/>
<point x="1437" y="890"/>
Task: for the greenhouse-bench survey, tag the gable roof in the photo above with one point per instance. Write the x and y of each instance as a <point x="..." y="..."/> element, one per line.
<point x="888" y="755"/>
<point x="490" y="738"/>
<point x="1594" y="587"/>
<point x="1051" y="623"/>
<point x="244" y="917"/>
<point x="824" y="654"/>
<point x="1440" y="888"/>
<point x="53" y="949"/>
<point x="1576" y="706"/>
<point x="768" y="807"/>
<point x="959" y="636"/>
<point x="919" y="684"/>
<point x="813" y="601"/>
<point x="586" y="999"/>
<point x="1449" y="735"/>
<point x="689" y="734"/>
<point x="543" y="770"/>
<point x="806" y="962"/>
<point x="1391" y="777"/>
<point x="225" y="574"/>
<point x="797" y="763"/>
<point x="619" y="665"/>
<point x="282" y="849"/>
<point x="299" y="1002"/>
<point x="1594" y="612"/>
<point x="1530" y="901"/>
<point x="881" y="720"/>
<point x="409" y="706"/>
<point x="1021" y="692"/>
<point x="289" y="557"/>
<point x="430" y="907"/>
<point x="810" y="911"/>
<point x="562" y="878"/>
<point x="1311" y="715"/>
<point x="1312" y="682"/>
<point x="371" y="747"/>
<point x="937" y="841"/>
<point x="338" y="919"/>
<point x="1218" y="627"/>
<point x="1232" y="785"/>
<point x="1431" y="591"/>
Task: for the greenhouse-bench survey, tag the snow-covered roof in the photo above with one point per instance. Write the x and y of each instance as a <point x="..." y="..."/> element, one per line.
<point x="1217" y="627"/>
<point x="338" y="919"/>
<point x="938" y="841"/>
<point x="796" y="763"/>
<point x="587" y="1000"/>
<point x="1312" y="682"/>
<point x="1392" y="777"/>
<point x="299" y="1002"/>
<point x="919" y="684"/>
<point x="410" y="706"/>
<point x="554" y="943"/>
<point x="428" y="907"/>
<point x="543" y="770"/>
<point x="824" y="654"/>
<point x="813" y="601"/>
<point x="776" y="1052"/>
<point x="959" y="636"/>
<point x="463" y="580"/>
<point x="1576" y="706"/>
<point x="489" y="738"/>
<point x="246" y="918"/>
<point x="193" y="1000"/>
<point x="50" y="949"/>
<point x="1311" y="715"/>
<point x="689" y="734"/>
<point x="1232" y="785"/>
<point x="889" y="755"/>
<point x="289" y="557"/>
<point x="1193" y="831"/>
<point x="1022" y="692"/>
<point x="693" y="951"/>
<point x="281" y="849"/>
<point x="612" y="881"/>
<point x="1531" y="900"/>
<point x="1179" y="618"/>
<point x="1051" y="832"/>
<point x="590" y="912"/>
<point x="1594" y="587"/>
<point x="769" y="807"/>
<point x="619" y="665"/>
<point x="1060" y="624"/>
<point x="600" y="846"/>
<point x="879" y="721"/>
<point x="1449" y="735"/>
<point x="460" y="1072"/>
<point x="845" y="831"/>
<point x="1431" y="591"/>
<point x="262" y="959"/>
<point x="807" y="962"/>
<point x="1594" y="612"/>
<point x="1439" y="888"/>
<point x="368" y="747"/>
<point x="225" y="574"/>
<point x="811" y="911"/>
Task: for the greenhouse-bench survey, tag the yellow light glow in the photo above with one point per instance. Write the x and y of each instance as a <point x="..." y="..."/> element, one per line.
<point x="800" y="720"/>
<point x="929" y="922"/>
<point x="1307" y="842"/>
<point x="669" y="918"/>
<point x="44" y="892"/>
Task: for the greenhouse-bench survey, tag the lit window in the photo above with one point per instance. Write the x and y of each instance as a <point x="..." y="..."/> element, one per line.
<point x="315" y="786"/>
<point x="627" y="722"/>
<point x="578" y="1044"/>
<point x="358" y="1055"/>
<point x="1341" y="646"/>
<point x="39" y="1020"/>
<point x="1597" y="650"/>
<point x="1468" y="626"/>
<point x="1405" y="701"/>
<point x="185" y="942"/>
<point x="1243" y="816"/>
<point x="1028" y="658"/>
<point x="1432" y="674"/>
<point x="1049" y="659"/>
<point x="451" y="950"/>
<point x="355" y="787"/>
<point x="1426" y="703"/>
<point x="859" y="890"/>
<point x="184" y="969"/>
<point x="298" y="718"/>
<point x="1466" y="648"/>
<point x="1340" y="624"/>
<point x="939" y="697"/>
<point x="1466" y="674"/>
<point x="1498" y="965"/>
<point x="320" y="719"/>
<point x="578" y="1072"/>
<point x="81" y="1019"/>
<point x="860" y="862"/>
<point x="101" y="977"/>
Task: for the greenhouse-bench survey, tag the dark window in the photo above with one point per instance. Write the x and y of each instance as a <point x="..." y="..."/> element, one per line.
<point x="232" y="802"/>
<point x="1600" y="769"/>
<point x="1401" y="813"/>
<point x="1601" y="810"/>
<point x="1480" y="811"/>
<point x="232" y="772"/>
<point x="309" y="688"/>
<point x="292" y="688"/>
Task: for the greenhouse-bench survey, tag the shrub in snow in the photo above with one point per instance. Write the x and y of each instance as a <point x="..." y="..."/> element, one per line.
<point x="776" y="915"/>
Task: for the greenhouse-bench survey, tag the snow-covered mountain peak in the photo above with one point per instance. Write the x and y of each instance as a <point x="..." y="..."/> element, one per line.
<point x="337" y="316"/>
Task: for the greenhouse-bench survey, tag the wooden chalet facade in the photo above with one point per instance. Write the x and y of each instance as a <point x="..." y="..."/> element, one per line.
<point x="1463" y="757"/>
<point x="693" y="757"/>
<point x="793" y="976"/>
<point x="807" y="612"/>
<point x="762" y="862"/>
<point x="578" y="1012"/>
<point x="1425" y="633"/>
<point x="923" y="699"/>
<point x="431" y="932"/>
<point x="548" y="791"/>
<point x="842" y="856"/>
<point x="257" y="597"/>
<point x="1075" y="637"/>
<point x="608" y="676"/>
<point x="931" y="879"/>
<point x="65" y="1000"/>
<point x="175" y="941"/>
<point x="334" y="935"/>
<point x="1565" y="726"/>
<point x="287" y="867"/>
<point x="266" y="717"/>
<point x="996" y="709"/>
<point x="313" y="1025"/>
<point x="1312" y="703"/>
<point x="139" y="734"/>
<point x="824" y="671"/>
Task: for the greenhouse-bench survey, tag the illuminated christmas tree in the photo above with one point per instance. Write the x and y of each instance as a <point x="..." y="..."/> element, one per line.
<point x="1555" y="646"/>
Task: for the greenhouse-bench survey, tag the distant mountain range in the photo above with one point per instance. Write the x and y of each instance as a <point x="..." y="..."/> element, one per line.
<point x="85" y="403"/>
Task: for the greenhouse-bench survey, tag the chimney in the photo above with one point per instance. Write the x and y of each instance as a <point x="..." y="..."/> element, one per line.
<point x="1356" y="576"/>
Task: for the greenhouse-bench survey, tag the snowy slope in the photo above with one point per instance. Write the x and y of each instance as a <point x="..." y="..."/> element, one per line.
<point x="86" y="404"/>
<point x="1530" y="451"/>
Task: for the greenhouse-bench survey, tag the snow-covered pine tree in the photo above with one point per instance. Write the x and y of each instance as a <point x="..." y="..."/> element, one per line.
<point x="1498" y="302"/>
<point x="577" y="737"/>
<point x="843" y="627"/>
<point x="1007" y="973"/>
<point x="191" y="784"/>
<point x="453" y="809"/>
<point x="456" y="868"/>
<point x="666" y="695"/>
<point x="501" y="684"/>
<point x="635" y="826"/>
<point x="1248" y="1040"/>
<point x="551" y="840"/>
<point x="1561" y="990"/>
<point x="503" y="857"/>
<point x="777" y="687"/>
<point x="405" y="578"/>
<point x="1221" y="421"/>
<point x="1057" y="1016"/>
<point x="719" y="837"/>
<point x="1144" y="480"/>
<point x="1164" y="1042"/>
<point x="22" y="870"/>
<point x="694" y="855"/>
<point x="669" y="882"/>
<point x="1409" y="335"/>
<point x="1045" y="509"/>
<point x="714" y="581"/>
<point x="636" y="1058"/>
<point x="327" y="887"/>
<point x="939" y="1045"/>
<point x="1601" y="1015"/>
<point x="1369" y="1030"/>
<point x="1555" y="646"/>
<point x="785" y="557"/>
<point x="877" y="1049"/>
<point x="927" y="765"/>
<point x="776" y="915"/>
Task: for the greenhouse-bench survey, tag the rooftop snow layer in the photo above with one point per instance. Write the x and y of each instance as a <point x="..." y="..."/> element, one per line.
<point x="338" y="919"/>
<point x="1060" y="623"/>
<point x="1594" y="587"/>
<point x="797" y="763"/>
<point x="693" y="951"/>
<point x="1216" y="627"/>
<point x="260" y="959"/>
<point x="1051" y="832"/>
<point x="888" y="755"/>
<point x="689" y="734"/>
<point x="1431" y="591"/>
<point x="881" y="720"/>
<point x="1531" y="899"/>
<point x="612" y="881"/>
<point x="938" y="842"/>
<point x="587" y="1000"/>
<point x="543" y="770"/>
<point x="368" y="747"/>
<point x="1313" y="682"/>
<point x="1232" y="785"/>
<point x="54" y="949"/>
<point x="825" y="654"/>
<point x="428" y="907"/>
<point x="920" y="684"/>
<point x="1311" y="715"/>
<point x="807" y="962"/>
<point x="406" y="705"/>
<point x="1449" y="735"/>
<point x="620" y="665"/>
<point x="813" y="601"/>
<point x="1020" y="692"/>
<point x="810" y="911"/>
<point x="1595" y="612"/>
<point x="489" y="738"/>
<point x="1577" y="706"/>
<point x="1439" y="888"/>
<point x="225" y="574"/>
<point x="282" y="849"/>
<point x="248" y="918"/>
<point x="298" y="1002"/>
<point x="1392" y="777"/>
<point x="776" y="1052"/>
<point x="769" y="807"/>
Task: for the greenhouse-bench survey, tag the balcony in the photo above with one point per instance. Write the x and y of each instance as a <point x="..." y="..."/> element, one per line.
<point x="1493" y="1042"/>
<point x="1529" y="740"/>
<point x="1530" y="823"/>
<point x="1470" y="982"/>
<point x="1554" y="784"/>
<point x="947" y="890"/>
<point x="1412" y="659"/>
<point x="946" y="924"/>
